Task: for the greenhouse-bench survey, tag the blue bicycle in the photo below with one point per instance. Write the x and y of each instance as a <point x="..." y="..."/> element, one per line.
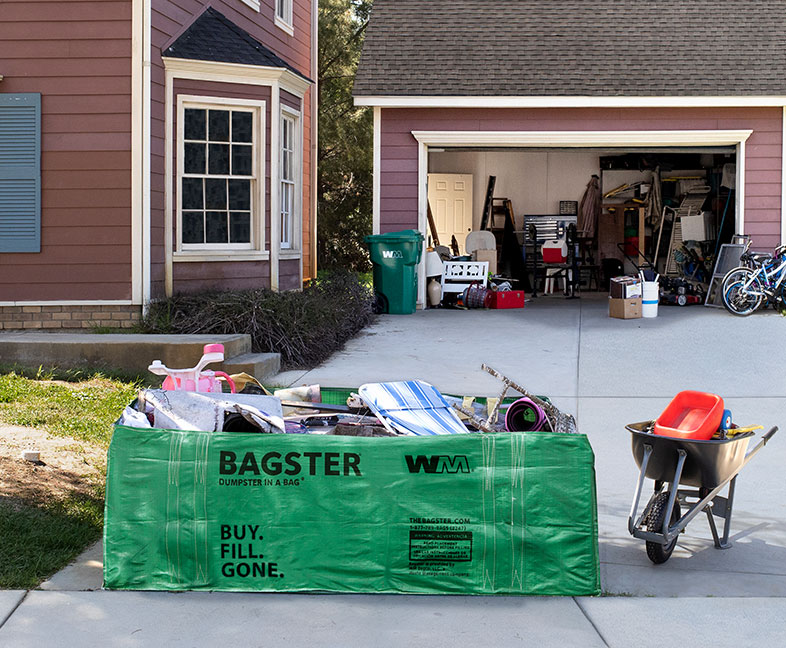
<point x="760" y="282"/>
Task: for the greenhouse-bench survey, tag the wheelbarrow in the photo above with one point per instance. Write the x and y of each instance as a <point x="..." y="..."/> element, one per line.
<point x="706" y="465"/>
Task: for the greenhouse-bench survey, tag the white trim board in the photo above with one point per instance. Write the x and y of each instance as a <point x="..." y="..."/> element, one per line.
<point x="783" y="181"/>
<point x="377" y="170"/>
<point x="583" y="139"/>
<point x="71" y="303"/>
<point x="569" y="139"/>
<point x="256" y="75"/>
<point x="410" y="101"/>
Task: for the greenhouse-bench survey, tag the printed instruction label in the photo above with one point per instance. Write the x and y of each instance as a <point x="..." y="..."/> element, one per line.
<point x="440" y="546"/>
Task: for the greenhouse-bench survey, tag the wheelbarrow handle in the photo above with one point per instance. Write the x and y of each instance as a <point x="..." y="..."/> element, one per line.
<point x="769" y="434"/>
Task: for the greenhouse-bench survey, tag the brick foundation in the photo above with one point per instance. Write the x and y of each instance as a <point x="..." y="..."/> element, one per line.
<point x="69" y="317"/>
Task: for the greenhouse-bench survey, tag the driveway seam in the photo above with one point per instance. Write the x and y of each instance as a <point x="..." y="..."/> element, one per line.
<point x="591" y="621"/>
<point x="13" y="610"/>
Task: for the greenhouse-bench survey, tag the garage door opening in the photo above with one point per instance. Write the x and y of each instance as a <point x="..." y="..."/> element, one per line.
<point x="670" y="205"/>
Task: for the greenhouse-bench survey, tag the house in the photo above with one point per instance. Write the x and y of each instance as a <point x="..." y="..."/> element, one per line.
<point x="149" y="147"/>
<point x="542" y="95"/>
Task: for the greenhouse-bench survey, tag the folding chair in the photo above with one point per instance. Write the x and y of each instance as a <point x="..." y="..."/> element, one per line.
<point x="411" y="408"/>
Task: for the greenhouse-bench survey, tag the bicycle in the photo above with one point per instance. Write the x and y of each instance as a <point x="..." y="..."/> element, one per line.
<point x="762" y="277"/>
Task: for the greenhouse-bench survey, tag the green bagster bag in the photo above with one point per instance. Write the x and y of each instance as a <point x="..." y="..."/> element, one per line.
<point x="501" y="513"/>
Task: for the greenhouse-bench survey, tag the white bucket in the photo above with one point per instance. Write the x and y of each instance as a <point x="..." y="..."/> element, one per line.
<point x="649" y="299"/>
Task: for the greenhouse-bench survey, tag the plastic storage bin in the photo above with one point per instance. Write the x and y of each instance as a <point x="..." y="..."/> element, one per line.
<point x="691" y="415"/>
<point x="395" y="257"/>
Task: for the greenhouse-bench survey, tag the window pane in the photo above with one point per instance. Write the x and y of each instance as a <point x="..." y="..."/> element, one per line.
<point x="193" y="227"/>
<point x="242" y="164"/>
<point x="219" y="126"/>
<point x="216" y="227"/>
<point x="218" y="160"/>
<point x="240" y="227"/>
<point x="215" y="194"/>
<point x="194" y="158"/>
<point x="192" y="194"/>
<point x="239" y="194"/>
<point x="194" y="124"/>
<point x="242" y="126"/>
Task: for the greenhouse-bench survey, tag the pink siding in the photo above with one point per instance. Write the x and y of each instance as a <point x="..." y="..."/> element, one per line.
<point x="78" y="56"/>
<point x="399" y="152"/>
<point x="170" y="18"/>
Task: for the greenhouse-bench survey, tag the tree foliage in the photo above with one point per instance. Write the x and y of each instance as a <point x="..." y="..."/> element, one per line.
<point x="345" y="153"/>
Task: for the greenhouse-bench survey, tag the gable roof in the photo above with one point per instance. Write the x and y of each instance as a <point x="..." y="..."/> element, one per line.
<point x="598" y="48"/>
<point x="213" y="37"/>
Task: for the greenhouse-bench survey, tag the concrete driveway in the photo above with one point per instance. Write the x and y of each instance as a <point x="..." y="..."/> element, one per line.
<point x="609" y="373"/>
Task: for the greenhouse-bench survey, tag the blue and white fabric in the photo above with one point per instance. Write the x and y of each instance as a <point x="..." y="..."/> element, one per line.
<point x="412" y="408"/>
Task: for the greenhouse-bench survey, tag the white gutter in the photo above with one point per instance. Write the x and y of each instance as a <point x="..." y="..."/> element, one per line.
<point x="566" y="102"/>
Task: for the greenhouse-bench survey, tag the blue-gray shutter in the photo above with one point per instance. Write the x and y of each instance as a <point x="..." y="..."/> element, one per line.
<point x="20" y="172"/>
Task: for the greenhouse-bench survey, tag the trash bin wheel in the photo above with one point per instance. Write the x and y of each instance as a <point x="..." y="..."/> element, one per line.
<point x="380" y="303"/>
<point x="660" y="552"/>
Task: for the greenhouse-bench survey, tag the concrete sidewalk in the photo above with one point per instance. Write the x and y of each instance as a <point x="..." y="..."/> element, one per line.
<point x="608" y="372"/>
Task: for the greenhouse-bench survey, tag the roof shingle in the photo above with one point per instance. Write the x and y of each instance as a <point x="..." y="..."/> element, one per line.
<point x="213" y="37"/>
<point x="574" y="48"/>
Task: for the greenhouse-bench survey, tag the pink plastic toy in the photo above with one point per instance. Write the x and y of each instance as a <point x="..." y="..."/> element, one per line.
<point x="195" y="379"/>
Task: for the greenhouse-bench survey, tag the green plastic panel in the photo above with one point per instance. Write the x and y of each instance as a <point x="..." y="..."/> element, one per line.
<point x="511" y="513"/>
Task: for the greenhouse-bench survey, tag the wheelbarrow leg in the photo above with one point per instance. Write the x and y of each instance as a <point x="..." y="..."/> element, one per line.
<point x="634" y="524"/>
<point x="722" y="543"/>
<point x="673" y="489"/>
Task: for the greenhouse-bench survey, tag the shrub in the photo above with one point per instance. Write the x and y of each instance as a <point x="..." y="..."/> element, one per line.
<point x="305" y="327"/>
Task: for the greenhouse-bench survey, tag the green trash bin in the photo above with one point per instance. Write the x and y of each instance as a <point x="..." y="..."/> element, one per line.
<point x="395" y="257"/>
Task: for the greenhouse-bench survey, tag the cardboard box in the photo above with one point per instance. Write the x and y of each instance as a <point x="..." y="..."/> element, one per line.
<point x="625" y="287"/>
<point x="626" y="309"/>
<point x="489" y="256"/>
<point x="507" y="300"/>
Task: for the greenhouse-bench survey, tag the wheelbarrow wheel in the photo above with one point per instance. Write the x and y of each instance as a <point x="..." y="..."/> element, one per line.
<point x="660" y="552"/>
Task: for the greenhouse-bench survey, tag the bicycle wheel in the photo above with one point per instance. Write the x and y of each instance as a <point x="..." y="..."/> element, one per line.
<point x="742" y="292"/>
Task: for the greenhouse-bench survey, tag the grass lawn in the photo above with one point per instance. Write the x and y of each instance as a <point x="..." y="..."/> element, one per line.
<point x="52" y="511"/>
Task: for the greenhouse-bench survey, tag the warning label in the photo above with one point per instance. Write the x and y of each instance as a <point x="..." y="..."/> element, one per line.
<point x="436" y="546"/>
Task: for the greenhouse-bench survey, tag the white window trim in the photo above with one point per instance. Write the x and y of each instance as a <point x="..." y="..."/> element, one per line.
<point x="286" y="22"/>
<point x="254" y="4"/>
<point x="206" y="252"/>
<point x="277" y="79"/>
<point x="296" y="235"/>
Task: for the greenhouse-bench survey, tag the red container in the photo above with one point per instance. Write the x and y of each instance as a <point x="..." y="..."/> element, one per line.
<point x="554" y="251"/>
<point x="691" y="415"/>
<point x="507" y="299"/>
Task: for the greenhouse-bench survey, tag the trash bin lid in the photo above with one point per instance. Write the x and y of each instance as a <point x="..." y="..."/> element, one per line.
<point x="391" y="237"/>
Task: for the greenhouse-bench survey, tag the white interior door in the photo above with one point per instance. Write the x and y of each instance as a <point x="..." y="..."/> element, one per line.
<point x="450" y="197"/>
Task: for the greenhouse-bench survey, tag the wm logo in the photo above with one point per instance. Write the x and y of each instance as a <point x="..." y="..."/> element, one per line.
<point x="392" y="254"/>
<point x="437" y="463"/>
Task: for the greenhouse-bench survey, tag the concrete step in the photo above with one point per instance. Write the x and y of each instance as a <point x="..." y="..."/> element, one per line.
<point x="127" y="352"/>
<point x="260" y="366"/>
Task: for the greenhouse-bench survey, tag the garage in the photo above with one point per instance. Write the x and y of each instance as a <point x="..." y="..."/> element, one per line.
<point x="541" y="97"/>
<point x="645" y="191"/>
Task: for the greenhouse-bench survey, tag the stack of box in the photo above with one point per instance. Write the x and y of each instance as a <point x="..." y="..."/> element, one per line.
<point x="625" y="297"/>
